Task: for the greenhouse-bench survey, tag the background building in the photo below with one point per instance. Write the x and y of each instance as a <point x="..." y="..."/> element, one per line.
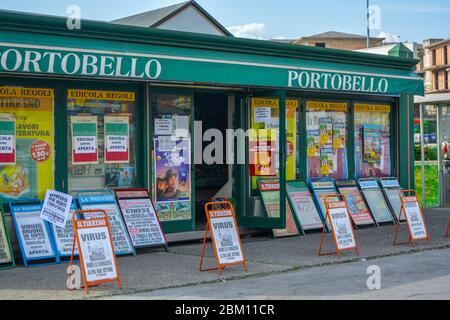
<point x="339" y="40"/>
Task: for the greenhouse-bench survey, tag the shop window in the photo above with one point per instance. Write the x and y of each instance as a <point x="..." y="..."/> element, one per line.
<point x="26" y="142"/>
<point x="102" y="139"/>
<point x="372" y="140"/>
<point x="171" y="157"/>
<point x="326" y="125"/>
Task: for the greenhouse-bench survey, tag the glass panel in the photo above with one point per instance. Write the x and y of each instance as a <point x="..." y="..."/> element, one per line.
<point x="372" y="140"/>
<point x="326" y="125"/>
<point x="172" y="183"/>
<point x="263" y="155"/>
<point x="101" y="159"/>
<point x="26" y="145"/>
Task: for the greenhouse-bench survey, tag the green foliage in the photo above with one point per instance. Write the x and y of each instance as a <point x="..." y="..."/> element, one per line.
<point x="431" y="183"/>
<point x="431" y="152"/>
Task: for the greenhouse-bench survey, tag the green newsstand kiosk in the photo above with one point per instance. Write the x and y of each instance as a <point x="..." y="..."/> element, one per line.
<point x="177" y="93"/>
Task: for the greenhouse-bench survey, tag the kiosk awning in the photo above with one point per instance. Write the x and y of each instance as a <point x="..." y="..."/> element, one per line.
<point x="73" y="55"/>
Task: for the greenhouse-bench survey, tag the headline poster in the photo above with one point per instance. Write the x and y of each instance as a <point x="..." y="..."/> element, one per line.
<point x="342" y="227"/>
<point x="378" y="205"/>
<point x="31" y="173"/>
<point x="64" y="236"/>
<point x="142" y="222"/>
<point x="117" y="139"/>
<point x="56" y="207"/>
<point x="95" y="246"/>
<point x="33" y="233"/>
<point x="415" y="218"/>
<point x="225" y="234"/>
<point x="84" y="139"/>
<point x="303" y="205"/>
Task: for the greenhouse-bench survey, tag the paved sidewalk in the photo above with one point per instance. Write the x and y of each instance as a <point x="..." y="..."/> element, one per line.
<point x="157" y="270"/>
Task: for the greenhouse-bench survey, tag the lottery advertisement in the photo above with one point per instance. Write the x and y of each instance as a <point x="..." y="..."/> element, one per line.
<point x="31" y="173"/>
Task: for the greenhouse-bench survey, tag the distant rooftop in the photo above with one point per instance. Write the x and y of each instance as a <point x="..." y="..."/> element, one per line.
<point x="338" y="35"/>
<point x="155" y="18"/>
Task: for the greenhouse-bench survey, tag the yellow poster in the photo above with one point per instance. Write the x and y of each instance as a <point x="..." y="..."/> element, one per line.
<point x="33" y="172"/>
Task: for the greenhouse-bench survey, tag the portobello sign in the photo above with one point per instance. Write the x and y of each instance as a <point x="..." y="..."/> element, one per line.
<point x="164" y="63"/>
<point x="78" y="63"/>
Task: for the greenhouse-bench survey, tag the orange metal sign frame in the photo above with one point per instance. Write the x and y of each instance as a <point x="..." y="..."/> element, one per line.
<point x="328" y="205"/>
<point x="411" y="193"/>
<point x="214" y="207"/>
<point x="104" y="222"/>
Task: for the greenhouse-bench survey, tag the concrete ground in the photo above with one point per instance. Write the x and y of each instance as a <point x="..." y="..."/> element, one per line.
<point x="149" y="273"/>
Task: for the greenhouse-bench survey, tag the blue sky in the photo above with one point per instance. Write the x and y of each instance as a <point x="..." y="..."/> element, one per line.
<point x="412" y="20"/>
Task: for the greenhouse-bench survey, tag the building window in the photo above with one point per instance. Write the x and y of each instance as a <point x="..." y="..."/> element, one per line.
<point x="320" y="44"/>
<point x="102" y="139"/>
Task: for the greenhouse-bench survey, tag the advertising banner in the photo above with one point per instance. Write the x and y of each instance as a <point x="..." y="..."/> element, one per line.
<point x="355" y="202"/>
<point x="106" y="201"/>
<point x="84" y="139"/>
<point x="270" y="195"/>
<point x="372" y="152"/>
<point x="117" y="139"/>
<point x="64" y="236"/>
<point x="375" y="200"/>
<point x="172" y="172"/>
<point x="303" y="205"/>
<point x="7" y="139"/>
<point x="142" y="221"/>
<point x="32" y="172"/>
<point x="56" y="207"/>
<point x="32" y="232"/>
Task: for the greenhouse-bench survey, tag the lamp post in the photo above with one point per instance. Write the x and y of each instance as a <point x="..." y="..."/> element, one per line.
<point x="368" y="27"/>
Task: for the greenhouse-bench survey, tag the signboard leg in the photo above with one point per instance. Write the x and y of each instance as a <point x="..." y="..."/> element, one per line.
<point x="397" y="228"/>
<point x="205" y="239"/>
<point x="322" y="238"/>
<point x="448" y="228"/>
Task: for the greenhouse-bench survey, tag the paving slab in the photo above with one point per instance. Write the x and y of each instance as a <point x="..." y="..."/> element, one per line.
<point x="180" y="267"/>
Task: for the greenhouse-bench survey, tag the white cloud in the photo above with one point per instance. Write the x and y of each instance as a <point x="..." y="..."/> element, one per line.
<point x="252" y="30"/>
<point x="389" y="37"/>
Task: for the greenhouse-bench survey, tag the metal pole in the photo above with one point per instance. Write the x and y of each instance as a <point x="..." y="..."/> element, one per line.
<point x="368" y="27"/>
<point x="422" y="156"/>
